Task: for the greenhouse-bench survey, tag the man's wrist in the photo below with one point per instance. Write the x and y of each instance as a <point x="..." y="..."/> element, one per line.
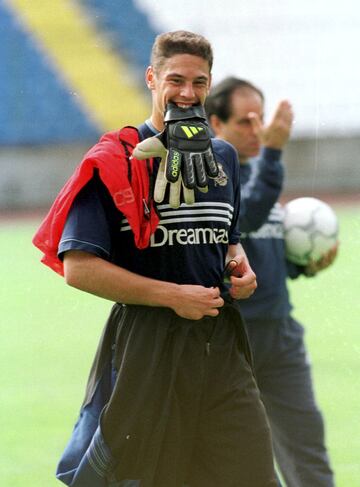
<point x="167" y="295"/>
<point x="271" y="154"/>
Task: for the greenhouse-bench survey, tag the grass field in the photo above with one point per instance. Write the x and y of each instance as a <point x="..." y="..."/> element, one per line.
<point x="49" y="333"/>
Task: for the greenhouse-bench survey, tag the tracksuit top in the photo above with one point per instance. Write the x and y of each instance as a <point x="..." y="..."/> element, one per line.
<point x="262" y="237"/>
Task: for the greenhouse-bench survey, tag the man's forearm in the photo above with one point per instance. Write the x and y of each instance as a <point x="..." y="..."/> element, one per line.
<point x="96" y="276"/>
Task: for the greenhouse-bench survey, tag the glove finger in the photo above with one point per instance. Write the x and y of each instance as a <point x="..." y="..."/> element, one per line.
<point x="200" y="169"/>
<point x="189" y="195"/>
<point x="151" y="147"/>
<point x="205" y="189"/>
<point x="211" y="164"/>
<point x="160" y="183"/>
<point x="188" y="171"/>
<point x="173" y="165"/>
<point x="175" y="193"/>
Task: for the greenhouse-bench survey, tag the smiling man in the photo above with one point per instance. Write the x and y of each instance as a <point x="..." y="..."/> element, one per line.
<point x="171" y="399"/>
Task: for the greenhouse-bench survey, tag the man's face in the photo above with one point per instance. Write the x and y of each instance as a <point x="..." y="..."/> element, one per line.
<point x="183" y="79"/>
<point x="238" y="129"/>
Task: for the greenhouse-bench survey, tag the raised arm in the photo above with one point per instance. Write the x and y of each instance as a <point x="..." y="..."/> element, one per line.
<point x="263" y="188"/>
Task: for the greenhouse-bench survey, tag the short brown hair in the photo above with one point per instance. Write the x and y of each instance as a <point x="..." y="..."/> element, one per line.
<point x="180" y="42"/>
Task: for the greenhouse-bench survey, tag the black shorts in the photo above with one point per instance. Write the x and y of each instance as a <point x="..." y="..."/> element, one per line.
<point x="184" y="408"/>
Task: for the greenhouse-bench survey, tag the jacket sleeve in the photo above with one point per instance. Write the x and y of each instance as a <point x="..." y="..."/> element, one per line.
<point x="261" y="191"/>
<point x="234" y="235"/>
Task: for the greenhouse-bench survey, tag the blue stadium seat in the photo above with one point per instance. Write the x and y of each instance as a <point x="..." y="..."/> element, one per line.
<point x="127" y="28"/>
<point x="36" y="105"/>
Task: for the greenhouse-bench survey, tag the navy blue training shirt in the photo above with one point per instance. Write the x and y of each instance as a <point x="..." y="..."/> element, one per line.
<point x="261" y="223"/>
<point x="190" y="243"/>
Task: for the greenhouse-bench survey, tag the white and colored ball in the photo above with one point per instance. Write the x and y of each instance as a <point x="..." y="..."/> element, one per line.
<point x="310" y="229"/>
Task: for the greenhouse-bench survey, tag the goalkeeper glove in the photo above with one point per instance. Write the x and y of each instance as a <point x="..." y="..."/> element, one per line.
<point x="188" y="140"/>
<point x="187" y="159"/>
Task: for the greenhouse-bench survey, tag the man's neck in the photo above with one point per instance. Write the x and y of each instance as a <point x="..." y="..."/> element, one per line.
<point x="157" y="122"/>
<point x="150" y="125"/>
<point x="243" y="159"/>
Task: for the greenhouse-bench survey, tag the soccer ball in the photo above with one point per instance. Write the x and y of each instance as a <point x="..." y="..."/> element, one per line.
<point x="310" y="229"/>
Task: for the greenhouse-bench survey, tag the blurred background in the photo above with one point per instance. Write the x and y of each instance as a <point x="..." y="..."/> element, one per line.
<point x="72" y="69"/>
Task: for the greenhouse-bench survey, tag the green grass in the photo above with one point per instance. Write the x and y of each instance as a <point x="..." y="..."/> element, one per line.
<point x="329" y="307"/>
<point x="49" y="334"/>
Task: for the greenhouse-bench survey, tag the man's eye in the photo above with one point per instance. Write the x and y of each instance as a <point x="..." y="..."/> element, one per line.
<point x="243" y="123"/>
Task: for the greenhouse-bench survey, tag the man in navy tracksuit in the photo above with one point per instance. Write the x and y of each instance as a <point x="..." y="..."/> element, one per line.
<point x="235" y="109"/>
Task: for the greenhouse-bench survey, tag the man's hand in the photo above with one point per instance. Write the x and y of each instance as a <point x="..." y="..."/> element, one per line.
<point x="242" y="278"/>
<point x="195" y="302"/>
<point x="276" y="134"/>
<point x="325" y="261"/>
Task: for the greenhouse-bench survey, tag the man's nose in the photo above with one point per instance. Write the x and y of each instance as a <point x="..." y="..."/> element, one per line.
<point x="187" y="91"/>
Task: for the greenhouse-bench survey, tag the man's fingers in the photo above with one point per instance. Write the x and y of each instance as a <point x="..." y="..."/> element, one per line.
<point x="217" y="303"/>
<point x="283" y="113"/>
<point x="213" y="309"/>
<point x="248" y="280"/>
<point x="212" y="312"/>
<point x="235" y="267"/>
<point x="276" y="134"/>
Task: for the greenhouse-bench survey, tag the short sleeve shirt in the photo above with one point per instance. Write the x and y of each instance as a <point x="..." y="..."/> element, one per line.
<point x="190" y="243"/>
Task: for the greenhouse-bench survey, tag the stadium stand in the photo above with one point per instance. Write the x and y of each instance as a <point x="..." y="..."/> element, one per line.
<point x="62" y="80"/>
<point x="72" y="69"/>
<point x="127" y="27"/>
<point x="36" y="105"/>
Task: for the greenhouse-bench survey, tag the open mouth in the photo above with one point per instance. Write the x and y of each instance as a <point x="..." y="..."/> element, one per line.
<point x="183" y="105"/>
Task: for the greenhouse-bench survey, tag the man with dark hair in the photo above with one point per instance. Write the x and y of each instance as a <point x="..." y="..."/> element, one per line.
<point x="171" y="399"/>
<point x="235" y="109"/>
<point x="171" y="43"/>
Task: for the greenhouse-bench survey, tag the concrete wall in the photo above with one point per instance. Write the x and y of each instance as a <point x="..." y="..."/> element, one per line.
<point x="31" y="177"/>
<point x="325" y="165"/>
<point x="302" y="51"/>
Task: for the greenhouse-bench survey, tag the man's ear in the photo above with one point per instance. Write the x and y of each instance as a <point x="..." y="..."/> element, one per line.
<point x="149" y="77"/>
<point x="209" y="85"/>
<point x="215" y="123"/>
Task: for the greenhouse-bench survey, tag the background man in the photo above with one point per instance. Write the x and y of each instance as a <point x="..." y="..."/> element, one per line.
<point x="171" y="383"/>
<point x="235" y="109"/>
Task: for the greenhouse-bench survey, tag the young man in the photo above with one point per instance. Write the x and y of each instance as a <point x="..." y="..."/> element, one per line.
<point x="235" y="109"/>
<point x="171" y="399"/>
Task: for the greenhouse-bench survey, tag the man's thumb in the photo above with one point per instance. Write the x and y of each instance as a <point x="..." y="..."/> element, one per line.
<point x="151" y="147"/>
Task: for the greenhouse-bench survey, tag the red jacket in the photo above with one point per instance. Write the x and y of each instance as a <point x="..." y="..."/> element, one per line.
<point x="128" y="181"/>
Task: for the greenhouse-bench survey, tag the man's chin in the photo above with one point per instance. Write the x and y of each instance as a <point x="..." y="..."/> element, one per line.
<point x="254" y="152"/>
